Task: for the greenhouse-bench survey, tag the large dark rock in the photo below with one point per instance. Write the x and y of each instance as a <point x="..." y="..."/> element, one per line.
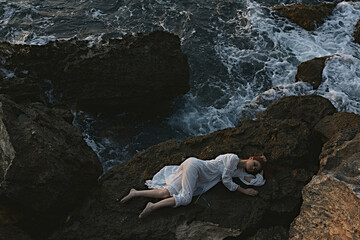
<point x="357" y="32"/>
<point x="342" y="131"/>
<point x="331" y="206"/>
<point x="300" y="107"/>
<point x="311" y="71"/>
<point x="141" y="73"/>
<point x="308" y="16"/>
<point x="46" y="167"/>
<point x="293" y="160"/>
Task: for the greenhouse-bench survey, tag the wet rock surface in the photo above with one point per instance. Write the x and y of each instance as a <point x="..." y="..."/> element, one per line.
<point x="140" y="73"/>
<point x="46" y="167"/>
<point x="287" y="139"/>
<point x="357" y="32"/>
<point x="308" y="16"/>
<point x="48" y="173"/>
<point x="311" y="71"/>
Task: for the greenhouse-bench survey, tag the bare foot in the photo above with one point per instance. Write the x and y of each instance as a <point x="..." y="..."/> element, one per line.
<point x="129" y="196"/>
<point x="147" y="210"/>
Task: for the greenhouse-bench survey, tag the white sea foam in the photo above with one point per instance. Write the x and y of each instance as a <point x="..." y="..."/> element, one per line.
<point x="108" y="151"/>
<point x="7" y="15"/>
<point x="276" y="47"/>
<point x="51" y="96"/>
<point x="252" y="51"/>
<point x="95" y="13"/>
<point x="93" y="39"/>
<point x="8" y="73"/>
<point x="341" y="83"/>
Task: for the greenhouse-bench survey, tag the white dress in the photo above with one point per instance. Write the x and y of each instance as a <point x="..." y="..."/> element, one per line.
<point x="195" y="176"/>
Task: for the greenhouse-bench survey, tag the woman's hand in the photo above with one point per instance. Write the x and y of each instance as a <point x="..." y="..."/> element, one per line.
<point x="248" y="191"/>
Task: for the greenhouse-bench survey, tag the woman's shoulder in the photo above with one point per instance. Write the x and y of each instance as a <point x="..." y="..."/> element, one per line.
<point x="231" y="156"/>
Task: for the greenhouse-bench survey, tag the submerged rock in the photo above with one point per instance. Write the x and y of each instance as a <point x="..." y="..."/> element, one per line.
<point x="140" y="73"/>
<point x="357" y="32"/>
<point x="311" y="71"/>
<point x="46" y="167"/>
<point x="291" y="146"/>
<point x="308" y="16"/>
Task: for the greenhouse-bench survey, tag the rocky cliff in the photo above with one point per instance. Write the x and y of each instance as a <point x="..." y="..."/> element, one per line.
<point x="46" y="167"/>
<point x="288" y="132"/>
<point x="307" y="142"/>
<point x="49" y="187"/>
<point x="331" y="200"/>
<point x="132" y="74"/>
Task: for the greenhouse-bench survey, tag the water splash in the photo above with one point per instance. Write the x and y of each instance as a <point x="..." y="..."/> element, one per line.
<point x="262" y="67"/>
<point x="243" y="56"/>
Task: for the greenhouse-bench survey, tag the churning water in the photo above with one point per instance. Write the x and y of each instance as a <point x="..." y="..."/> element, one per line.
<point x="242" y="56"/>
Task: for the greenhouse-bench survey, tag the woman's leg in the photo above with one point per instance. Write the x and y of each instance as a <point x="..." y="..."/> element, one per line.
<point x="150" y="207"/>
<point x="153" y="193"/>
<point x="188" y="182"/>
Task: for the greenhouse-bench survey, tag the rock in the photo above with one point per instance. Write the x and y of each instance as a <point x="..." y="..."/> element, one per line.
<point x="331" y="206"/>
<point x="292" y="163"/>
<point x="337" y="123"/>
<point x="330" y="210"/>
<point x="141" y="73"/>
<point x="46" y="167"/>
<point x="357" y="32"/>
<point x="309" y="109"/>
<point x="22" y="89"/>
<point x="308" y="16"/>
<point x="275" y="233"/>
<point x="203" y="230"/>
<point x="343" y="140"/>
<point x="9" y="232"/>
<point x="311" y="71"/>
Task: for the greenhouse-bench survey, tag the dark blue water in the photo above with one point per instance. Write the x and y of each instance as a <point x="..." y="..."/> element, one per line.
<point x="242" y="56"/>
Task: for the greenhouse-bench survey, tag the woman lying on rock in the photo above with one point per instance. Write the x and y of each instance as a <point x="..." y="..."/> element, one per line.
<point x="178" y="184"/>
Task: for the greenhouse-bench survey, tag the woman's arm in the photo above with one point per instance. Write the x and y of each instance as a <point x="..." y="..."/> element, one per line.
<point x="230" y="163"/>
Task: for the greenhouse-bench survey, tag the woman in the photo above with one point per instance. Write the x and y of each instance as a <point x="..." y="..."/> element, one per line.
<point x="176" y="185"/>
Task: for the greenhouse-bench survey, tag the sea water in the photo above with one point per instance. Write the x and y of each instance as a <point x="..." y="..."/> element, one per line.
<point x="243" y="56"/>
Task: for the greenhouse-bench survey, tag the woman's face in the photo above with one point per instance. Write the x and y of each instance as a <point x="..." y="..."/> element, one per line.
<point x="252" y="166"/>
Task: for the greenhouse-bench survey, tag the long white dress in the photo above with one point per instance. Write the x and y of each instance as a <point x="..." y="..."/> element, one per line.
<point x="195" y="176"/>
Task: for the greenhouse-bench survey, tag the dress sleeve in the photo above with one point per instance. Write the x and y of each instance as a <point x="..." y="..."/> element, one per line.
<point x="230" y="164"/>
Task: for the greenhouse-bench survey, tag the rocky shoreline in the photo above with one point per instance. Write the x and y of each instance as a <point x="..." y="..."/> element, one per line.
<point x="49" y="177"/>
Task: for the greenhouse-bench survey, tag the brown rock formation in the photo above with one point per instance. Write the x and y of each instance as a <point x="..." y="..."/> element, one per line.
<point x="311" y="71"/>
<point x="357" y="32"/>
<point x="141" y="73"/>
<point x="46" y="167"/>
<point x="331" y="206"/>
<point x="330" y="210"/>
<point x="303" y="109"/>
<point x="286" y="138"/>
<point x="342" y="132"/>
<point x="308" y="16"/>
